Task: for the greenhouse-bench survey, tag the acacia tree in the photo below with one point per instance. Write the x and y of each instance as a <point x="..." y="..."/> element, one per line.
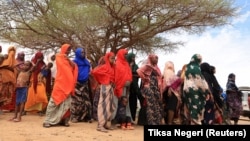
<point x="108" y="25"/>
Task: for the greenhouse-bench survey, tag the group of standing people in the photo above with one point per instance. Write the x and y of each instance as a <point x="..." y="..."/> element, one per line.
<point x="76" y="91"/>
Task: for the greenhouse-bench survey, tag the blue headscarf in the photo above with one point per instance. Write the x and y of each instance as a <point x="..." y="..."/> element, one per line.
<point x="83" y="65"/>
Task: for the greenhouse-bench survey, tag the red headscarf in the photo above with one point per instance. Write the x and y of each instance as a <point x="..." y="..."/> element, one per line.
<point x="104" y="74"/>
<point x="38" y="68"/>
<point x="123" y="72"/>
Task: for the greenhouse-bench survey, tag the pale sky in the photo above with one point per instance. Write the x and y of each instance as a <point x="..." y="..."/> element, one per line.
<point x="226" y="48"/>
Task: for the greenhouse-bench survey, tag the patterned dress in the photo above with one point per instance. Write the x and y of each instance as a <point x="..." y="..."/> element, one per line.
<point x="233" y="100"/>
<point x="195" y="90"/>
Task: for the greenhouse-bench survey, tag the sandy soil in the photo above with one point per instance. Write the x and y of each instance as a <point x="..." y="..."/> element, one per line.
<point x="31" y="129"/>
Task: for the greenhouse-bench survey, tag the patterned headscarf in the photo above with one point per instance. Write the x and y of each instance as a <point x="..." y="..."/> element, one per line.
<point x="193" y="75"/>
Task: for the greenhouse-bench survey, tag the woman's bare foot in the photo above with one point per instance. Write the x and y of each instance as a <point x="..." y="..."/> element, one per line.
<point x="12" y="118"/>
<point x="17" y="119"/>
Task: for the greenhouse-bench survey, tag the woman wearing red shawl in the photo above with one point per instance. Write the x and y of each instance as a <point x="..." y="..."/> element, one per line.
<point x="123" y="78"/>
<point x="95" y="88"/>
<point x="151" y="78"/>
<point x="37" y="98"/>
<point x="8" y="80"/>
<point x="58" y="109"/>
<point x="105" y="76"/>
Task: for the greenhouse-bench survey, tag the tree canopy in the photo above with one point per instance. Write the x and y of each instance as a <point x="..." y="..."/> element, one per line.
<point x="108" y="25"/>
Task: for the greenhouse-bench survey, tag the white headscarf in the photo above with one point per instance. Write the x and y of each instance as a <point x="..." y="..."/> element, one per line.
<point x="53" y="69"/>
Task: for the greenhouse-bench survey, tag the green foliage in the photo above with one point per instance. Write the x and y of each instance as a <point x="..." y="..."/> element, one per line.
<point x="108" y="25"/>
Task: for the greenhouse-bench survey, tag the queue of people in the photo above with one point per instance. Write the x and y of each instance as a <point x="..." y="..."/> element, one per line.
<point x="71" y="90"/>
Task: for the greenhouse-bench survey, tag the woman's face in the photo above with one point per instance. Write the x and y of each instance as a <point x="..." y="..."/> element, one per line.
<point x="154" y="60"/>
<point x="112" y="59"/>
<point x="53" y="57"/>
<point x="83" y="53"/>
<point x="68" y="51"/>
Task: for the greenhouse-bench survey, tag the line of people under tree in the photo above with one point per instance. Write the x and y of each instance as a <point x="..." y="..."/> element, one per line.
<point x="73" y="90"/>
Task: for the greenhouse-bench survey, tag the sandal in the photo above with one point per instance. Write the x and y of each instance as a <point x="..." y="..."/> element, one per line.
<point x="123" y="126"/>
<point x="130" y="127"/>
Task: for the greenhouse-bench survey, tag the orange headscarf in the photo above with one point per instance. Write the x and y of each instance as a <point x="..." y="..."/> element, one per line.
<point x="66" y="76"/>
<point x="9" y="74"/>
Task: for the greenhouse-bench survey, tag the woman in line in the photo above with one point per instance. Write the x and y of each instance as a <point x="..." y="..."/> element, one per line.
<point x="58" y="109"/>
<point x="8" y="75"/>
<point x="135" y="93"/>
<point x="151" y="77"/>
<point x="81" y="109"/>
<point x="105" y="76"/>
<point x="37" y="98"/>
<point x="196" y="90"/>
<point x="233" y="98"/>
<point x="171" y="93"/>
<point x="123" y="78"/>
<point x="95" y="87"/>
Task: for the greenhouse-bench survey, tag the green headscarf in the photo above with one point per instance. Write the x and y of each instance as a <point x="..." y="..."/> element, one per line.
<point x="130" y="59"/>
<point x="193" y="68"/>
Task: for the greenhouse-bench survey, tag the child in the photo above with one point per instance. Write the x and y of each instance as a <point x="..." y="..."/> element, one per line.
<point x="121" y="117"/>
<point x="21" y="90"/>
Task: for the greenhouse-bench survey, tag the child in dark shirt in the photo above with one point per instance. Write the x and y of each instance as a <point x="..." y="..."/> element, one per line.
<point x="121" y="117"/>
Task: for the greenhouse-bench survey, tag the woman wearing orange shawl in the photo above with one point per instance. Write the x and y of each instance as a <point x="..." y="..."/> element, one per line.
<point x="151" y="78"/>
<point x="37" y="98"/>
<point x="58" y="109"/>
<point x="105" y="76"/>
<point x="8" y="79"/>
<point x="123" y="78"/>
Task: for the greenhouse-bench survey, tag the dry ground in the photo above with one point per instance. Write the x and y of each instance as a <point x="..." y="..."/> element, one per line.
<point x="31" y="129"/>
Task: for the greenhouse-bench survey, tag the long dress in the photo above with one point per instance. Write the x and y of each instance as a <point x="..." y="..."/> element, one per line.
<point x="37" y="98"/>
<point x="195" y="90"/>
<point x="234" y="100"/>
<point x="36" y="101"/>
<point x="151" y="91"/>
<point x="81" y="107"/>
<point x="8" y="81"/>
<point x="58" y="109"/>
